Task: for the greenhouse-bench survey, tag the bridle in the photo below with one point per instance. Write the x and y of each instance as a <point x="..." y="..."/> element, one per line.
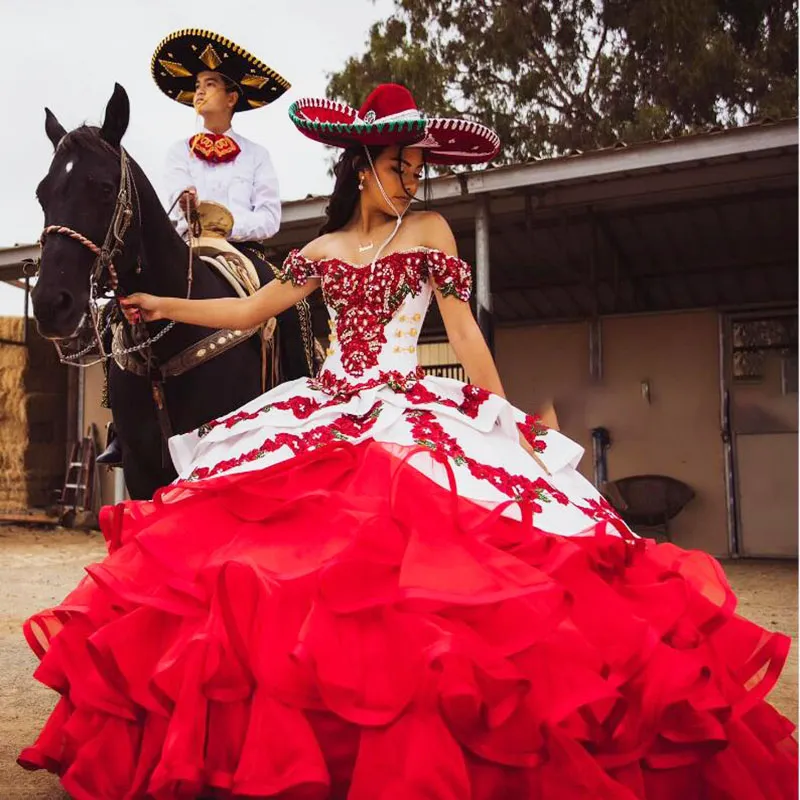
<point x="104" y="277"/>
<point x="104" y="273"/>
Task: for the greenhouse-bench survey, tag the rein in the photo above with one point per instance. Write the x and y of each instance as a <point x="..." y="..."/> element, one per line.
<point x="104" y="276"/>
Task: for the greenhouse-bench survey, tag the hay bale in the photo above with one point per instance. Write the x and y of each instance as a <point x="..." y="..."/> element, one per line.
<point x="32" y="419"/>
<point x="13" y="418"/>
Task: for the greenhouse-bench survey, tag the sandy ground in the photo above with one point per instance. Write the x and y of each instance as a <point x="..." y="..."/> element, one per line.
<point x="38" y="567"/>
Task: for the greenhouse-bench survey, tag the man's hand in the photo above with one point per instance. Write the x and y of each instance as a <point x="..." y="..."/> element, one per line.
<point x="188" y="200"/>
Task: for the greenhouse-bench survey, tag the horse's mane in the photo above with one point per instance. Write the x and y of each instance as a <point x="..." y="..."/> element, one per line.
<point x="86" y="137"/>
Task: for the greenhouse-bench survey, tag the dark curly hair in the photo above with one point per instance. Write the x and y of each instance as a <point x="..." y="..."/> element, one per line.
<point x="344" y="198"/>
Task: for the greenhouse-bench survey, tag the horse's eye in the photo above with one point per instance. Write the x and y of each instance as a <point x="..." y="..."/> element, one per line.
<point x="104" y="189"/>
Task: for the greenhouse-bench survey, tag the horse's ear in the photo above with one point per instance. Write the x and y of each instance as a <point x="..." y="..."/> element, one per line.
<point x="53" y="128"/>
<point x="118" y="113"/>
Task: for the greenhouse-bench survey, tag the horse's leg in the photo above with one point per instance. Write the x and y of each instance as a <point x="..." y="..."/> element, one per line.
<point x="141" y="479"/>
<point x="139" y="434"/>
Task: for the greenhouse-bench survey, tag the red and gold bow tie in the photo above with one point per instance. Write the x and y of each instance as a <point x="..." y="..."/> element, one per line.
<point x="215" y="148"/>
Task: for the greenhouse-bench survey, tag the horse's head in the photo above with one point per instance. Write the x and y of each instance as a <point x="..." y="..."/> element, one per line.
<point x="87" y="196"/>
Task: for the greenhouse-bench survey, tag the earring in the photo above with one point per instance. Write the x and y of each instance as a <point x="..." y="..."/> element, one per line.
<point x="361" y="182"/>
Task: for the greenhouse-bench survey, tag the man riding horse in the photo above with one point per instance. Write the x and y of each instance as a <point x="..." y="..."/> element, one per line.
<point x="220" y="167"/>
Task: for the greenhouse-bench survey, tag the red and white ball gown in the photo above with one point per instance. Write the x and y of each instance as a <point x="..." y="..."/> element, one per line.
<point x="363" y="587"/>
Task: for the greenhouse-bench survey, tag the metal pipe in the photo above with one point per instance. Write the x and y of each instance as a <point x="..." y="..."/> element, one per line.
<point x="26" y="323"/>
<point x="483" y="287"/>
<point x="119" y="485"/>
<point x="726" y="432"/>
<point x="81" y="411"/>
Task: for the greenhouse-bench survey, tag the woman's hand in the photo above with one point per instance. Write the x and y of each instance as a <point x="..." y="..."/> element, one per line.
<point x="140" y="307"/>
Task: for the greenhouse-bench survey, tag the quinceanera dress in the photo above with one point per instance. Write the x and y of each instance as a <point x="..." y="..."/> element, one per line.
<point x="362" y="586"/>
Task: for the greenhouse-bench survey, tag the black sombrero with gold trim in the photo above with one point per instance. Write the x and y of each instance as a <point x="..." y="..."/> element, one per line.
<point x="184" y="54"/>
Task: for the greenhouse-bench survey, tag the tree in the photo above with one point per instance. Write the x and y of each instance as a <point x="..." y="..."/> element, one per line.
<point x="555" y="76"/>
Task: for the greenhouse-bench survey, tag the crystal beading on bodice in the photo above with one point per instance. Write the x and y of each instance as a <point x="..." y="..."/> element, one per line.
<point x="377" y="312"/>
<point x="398" y="350"/>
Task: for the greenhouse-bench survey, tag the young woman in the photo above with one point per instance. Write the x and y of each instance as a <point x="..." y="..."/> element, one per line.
<point x="376" y="584"/>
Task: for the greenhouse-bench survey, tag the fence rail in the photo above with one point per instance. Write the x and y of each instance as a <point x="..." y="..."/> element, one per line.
<point x="455" y="371"/>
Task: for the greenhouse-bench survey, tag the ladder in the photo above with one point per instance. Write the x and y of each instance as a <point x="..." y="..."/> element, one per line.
<point x="78" y="492"/>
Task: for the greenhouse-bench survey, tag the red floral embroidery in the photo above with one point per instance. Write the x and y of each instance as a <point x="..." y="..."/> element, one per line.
<point x="428" y="432"/>
<point x="329" y="383"/>
<point x="419" y="395"/>
<point x="453" y="277"/>
<point x="599" y="510"/>
<point x="348" y="426"/>
<point x="301" y="407"/>
<point x="365" y="298"/>
<point x="297" y="269"/>
<point x="533" y="428"/>
<point x="474" y="397"/>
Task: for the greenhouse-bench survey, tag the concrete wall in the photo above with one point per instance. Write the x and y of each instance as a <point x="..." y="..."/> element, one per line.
<point x="677" y="433"/>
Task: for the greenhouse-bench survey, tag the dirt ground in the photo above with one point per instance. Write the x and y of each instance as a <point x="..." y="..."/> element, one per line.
<point x="38" y="567"/>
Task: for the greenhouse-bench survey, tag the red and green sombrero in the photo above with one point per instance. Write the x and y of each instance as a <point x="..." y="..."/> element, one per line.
<point x="389" y="116"/>
<point x="183" y="55"/>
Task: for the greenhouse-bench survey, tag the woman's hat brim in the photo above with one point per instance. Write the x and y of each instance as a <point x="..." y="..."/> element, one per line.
<point x="459" y="141"/>
<point x="338" y="125"/>
<point x="446" y="141"/>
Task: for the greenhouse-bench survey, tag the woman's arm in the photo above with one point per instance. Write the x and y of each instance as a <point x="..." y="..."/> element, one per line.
<point x="468" y="343"/>
<point x="462" y="330"/>
<point x="237" y="313"/>
<point x="463" y="333"/>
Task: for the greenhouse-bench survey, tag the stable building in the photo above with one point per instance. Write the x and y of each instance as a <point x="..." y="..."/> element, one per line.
<point x="649" y="292"/>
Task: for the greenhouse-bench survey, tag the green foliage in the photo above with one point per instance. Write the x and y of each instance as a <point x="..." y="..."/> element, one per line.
<point x="555" y="76"/>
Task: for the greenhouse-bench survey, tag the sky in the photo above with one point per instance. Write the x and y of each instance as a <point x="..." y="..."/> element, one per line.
<point x="67" y="55"/>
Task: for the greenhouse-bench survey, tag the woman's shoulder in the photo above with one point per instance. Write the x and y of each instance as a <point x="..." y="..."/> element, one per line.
<point x="320" y="248"/>
<point x="431" y="230"/>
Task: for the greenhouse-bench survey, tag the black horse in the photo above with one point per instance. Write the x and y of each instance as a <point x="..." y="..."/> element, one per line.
<point x="92" y="193"/>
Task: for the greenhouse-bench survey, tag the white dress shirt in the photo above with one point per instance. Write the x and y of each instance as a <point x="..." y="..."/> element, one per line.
<point x="246" y="186"/>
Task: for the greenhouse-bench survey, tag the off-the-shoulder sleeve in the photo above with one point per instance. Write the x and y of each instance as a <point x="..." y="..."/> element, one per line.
<point x="297" y="269"/>
<point x="452" y="276"/>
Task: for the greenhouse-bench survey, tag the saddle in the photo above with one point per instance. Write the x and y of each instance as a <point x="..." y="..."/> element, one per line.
<point x="213" y="248"/>
<point x="216" y="224"/>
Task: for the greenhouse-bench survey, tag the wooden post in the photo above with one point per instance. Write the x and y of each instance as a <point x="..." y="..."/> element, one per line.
<point x="595" y="323"/>
<point x="483" y="286"/>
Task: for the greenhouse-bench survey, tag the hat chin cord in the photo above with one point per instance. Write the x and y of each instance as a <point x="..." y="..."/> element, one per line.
<point x="391" y="205"/>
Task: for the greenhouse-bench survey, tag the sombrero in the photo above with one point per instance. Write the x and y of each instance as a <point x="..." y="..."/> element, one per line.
<point x="184" y="54"/>
<point x="389" y="116"/>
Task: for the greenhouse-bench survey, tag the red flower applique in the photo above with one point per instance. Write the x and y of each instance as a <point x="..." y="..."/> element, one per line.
<point x="533" y="429"/>
<point x="345" y="427"/>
